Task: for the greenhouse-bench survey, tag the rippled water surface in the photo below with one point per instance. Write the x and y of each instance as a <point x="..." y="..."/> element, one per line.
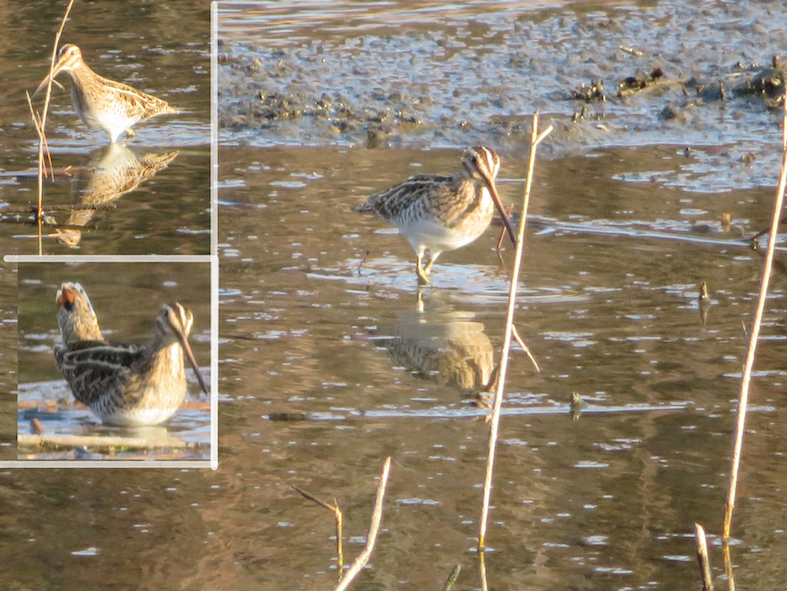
<point x="320" y="307"/>
<point x="330" y="363"/>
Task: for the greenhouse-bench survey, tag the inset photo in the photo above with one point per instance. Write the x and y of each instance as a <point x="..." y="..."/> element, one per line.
<point x="106" y="130"/>
<point x="114" y="361"/>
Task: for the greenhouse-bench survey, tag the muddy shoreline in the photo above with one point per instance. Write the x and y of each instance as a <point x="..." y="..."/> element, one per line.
<point x="480" y="80"/>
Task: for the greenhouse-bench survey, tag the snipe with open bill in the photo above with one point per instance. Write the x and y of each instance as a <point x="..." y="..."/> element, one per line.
<point x="102" y="103"/>
<point x="124" y="384"/>
<point x="437" y="213"/>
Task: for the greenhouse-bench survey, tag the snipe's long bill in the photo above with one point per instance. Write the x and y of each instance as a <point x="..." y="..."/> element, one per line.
<point x="102" y="103"/>
<point x="124" y="384"/>
<point x="437" y="213"/>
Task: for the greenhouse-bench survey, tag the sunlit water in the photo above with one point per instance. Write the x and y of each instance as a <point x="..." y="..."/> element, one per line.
<point x="320" y="306"/>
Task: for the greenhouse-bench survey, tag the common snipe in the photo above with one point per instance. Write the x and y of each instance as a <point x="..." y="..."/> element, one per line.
<point x="102" y="103"/>
<point x="124" y="384"/>
<point x="438" y="213"/>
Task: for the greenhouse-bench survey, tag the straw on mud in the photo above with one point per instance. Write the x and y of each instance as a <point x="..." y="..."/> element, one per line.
<point x="338" y="516"/>
<point x="104" y="444"/>
<point x="755" y="332"/>
<point x="702" y="557"/>
<point x="371" y="537"/>
<point x="535" y="139"/>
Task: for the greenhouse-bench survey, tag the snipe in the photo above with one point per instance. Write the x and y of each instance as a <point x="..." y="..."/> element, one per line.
<point x="102" y="103"/>
<point x="124" y="384"/>
<point x="437" y="213"/>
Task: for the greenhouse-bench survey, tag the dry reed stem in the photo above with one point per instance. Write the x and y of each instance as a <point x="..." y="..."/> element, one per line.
<point x="339" y="518"/>
<point x="40" y="124"/>
<point x="494" y="427"/>
<point x="755" y="332"/>
<point x="482" y="570"/>
<point x="702" y="557"/>
<point x="371" y="537"/>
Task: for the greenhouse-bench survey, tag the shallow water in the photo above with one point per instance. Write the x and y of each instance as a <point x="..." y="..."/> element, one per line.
<point x="609" y="309"/>
<point x="320" y="322"/>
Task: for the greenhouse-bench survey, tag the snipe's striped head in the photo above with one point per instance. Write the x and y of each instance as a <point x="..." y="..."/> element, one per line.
<point x="173" y="326"/>
<point x="75" y="315"/>
<point x="68" y="58"/>
<point x="481" y="163"/>
<point x="174" y="323"/>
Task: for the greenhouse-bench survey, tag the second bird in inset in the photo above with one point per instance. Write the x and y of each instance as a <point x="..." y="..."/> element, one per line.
<point x="124" y="384"/>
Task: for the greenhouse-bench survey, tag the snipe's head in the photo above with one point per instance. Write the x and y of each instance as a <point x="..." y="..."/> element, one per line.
<point x="481" y="163"/>
<point x="68" y="58"/>
<point x="75" y="315"/>
<point x="173" y="325"/>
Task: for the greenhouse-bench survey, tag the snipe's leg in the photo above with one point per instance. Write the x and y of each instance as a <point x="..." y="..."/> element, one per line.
<point x="423" y="275"/>
<point x="432" y="258"/>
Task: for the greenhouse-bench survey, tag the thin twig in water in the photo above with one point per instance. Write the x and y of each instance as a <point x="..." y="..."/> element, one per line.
<point x="725" y="547"/>
<point x="702" y="557"/>
<point x="507" y="336"/>
<point x="503" y="231"/>
<point x="525" y="347"/>
<point x="755" y="332"/>
<point x="371" y="537"/>
<point x="338" y="516"/>
<point x="363" y="260"/>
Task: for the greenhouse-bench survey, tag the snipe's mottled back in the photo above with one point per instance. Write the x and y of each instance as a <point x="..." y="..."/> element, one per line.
<point x="124" y="384"/>
<point x="102" y="103"/>
<point x="437" y="213"/>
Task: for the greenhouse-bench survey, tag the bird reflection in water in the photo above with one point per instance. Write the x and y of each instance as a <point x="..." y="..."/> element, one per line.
<point x="447" y="348"/>
<point x="108" y="173"/>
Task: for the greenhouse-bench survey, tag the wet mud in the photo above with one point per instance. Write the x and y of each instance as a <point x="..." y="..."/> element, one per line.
<point x="674" y="73"/>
